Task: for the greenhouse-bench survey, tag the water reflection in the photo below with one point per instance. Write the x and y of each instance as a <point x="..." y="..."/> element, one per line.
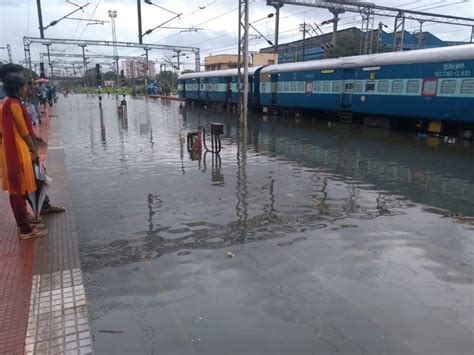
<point x="103" y="134"/>
<point x="303" y="177"/>
<point x="319" y="218"/>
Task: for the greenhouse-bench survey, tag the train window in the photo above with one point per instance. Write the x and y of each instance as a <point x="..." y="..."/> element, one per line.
<point x="280" y="87"/>
<point x="300" y="86"/>
<point x="264" y="87"/>
<point x="369" y="86"/>
<point x="358" y="86"/>
<point x="317" y="86"/>
<point x="467" y="87"/>
<point x="326" y="86"/>
<point x="383" y="86"/>
<point x="397" y="86"/>
<point x="287" y="87"/>
<point x="336" y="86"/>
<point x="448" y="87"/>
<point x="293" y="87"/>
<point x="348" y="87"/>
<point x="413" y="86"/>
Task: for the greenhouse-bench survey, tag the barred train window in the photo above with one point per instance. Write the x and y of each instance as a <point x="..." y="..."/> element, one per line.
<point x="448" y="87"/>
<point x="280" y="87"/>
<point x="383" y="86"/>
<point x="287" y="87"/>
<point x="336" y="86"/>
<point x="413" y="86"/>
<point x="397" y="86"/>
<point x="317" y="86"/>
<point x="293" y="87"/>
<point x="369" y="86"/>
<point x="358" y="86"/>
<point x="326" y="86"/>
<point x="467" y="87"/>
<point x="300" y="86"/>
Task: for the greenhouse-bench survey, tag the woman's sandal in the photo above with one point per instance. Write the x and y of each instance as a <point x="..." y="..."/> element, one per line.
<point x="33" y="219"/>
<point x="35" y="233"/>
<point x="52" y="209"/>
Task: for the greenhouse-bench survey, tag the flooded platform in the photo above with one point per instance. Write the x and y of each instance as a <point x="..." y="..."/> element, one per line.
<point x="301" y="237"/>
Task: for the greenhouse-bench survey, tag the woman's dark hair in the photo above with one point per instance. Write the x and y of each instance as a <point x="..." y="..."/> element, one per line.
<point x="6" y="69"/>
<point x="13" y="83"/>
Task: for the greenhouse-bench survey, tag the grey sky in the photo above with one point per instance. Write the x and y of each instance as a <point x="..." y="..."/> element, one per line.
<point x="216" y="17"/>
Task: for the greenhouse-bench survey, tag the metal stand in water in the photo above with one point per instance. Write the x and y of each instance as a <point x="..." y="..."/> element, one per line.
<point x="216" y="130"/>
<point x="195" y="140"/>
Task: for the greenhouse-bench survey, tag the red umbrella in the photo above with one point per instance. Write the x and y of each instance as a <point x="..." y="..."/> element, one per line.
<point x="41" y="81"/>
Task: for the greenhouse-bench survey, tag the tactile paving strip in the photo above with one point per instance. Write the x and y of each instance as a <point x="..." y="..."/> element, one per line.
<point x="58" y="321"/>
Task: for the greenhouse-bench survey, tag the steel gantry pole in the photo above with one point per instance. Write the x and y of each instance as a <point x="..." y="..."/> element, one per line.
<point x="243" y="62"/>
<point x="9" y="50"/>
<point x="277" y="5"/>
<point x="113" y="16"/>
<point x="84" y="56"/>
<point x="399" y="31"/>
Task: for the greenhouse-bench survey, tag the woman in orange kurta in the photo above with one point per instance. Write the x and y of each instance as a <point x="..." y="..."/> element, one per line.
<point x="17" y="142"/>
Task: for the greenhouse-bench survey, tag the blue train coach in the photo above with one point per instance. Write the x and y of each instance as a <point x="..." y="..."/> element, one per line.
<point x="431" y="84"/>
<point x="218" y="86"/>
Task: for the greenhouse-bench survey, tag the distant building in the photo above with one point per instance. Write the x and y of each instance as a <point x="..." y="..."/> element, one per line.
<point x="260" y="59"/>
<point x="221" y="62"/>
<point x="135" y="68"/>
<point x="313" y="48"/>
<point x="229" y="61"/>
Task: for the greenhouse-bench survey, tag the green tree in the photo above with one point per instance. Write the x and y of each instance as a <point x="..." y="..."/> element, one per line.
<point x="29" y="74"/>
<point x="168" y="79"/>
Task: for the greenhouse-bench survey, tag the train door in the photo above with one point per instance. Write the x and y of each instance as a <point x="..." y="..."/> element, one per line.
<point x="202" y="92"/>
<point x="250" y="92"/>
<point x="274" y="88"/>
<point x="347" y="88"/>
<point x="228" y="89"/>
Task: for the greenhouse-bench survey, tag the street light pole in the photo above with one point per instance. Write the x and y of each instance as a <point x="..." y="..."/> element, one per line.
<point x="139" y="10"/>
<point x="40" y="18"/>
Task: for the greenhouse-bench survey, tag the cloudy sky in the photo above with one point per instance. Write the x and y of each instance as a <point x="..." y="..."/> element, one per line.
<point x="216" y="19"/>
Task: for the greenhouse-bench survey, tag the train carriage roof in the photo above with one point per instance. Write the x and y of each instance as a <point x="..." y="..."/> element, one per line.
<point x="463" y="52"/>
<point x="215" y="73"/>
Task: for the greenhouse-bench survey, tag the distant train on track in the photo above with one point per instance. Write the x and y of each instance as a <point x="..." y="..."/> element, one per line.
<point x="432" y="87"/>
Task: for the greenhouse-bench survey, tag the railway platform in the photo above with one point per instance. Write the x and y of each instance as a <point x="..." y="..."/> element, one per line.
<point x="42" y="299"/>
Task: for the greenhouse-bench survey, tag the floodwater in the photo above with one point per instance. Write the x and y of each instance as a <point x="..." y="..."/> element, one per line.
<point x="300" y="238"/>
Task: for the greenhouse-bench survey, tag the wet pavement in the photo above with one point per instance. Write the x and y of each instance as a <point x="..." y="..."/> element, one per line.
<point x="302" y="237"/>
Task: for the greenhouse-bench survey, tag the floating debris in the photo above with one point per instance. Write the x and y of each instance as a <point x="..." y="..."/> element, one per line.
<point x="230" y="254"/>
<point x="111" y="331"/>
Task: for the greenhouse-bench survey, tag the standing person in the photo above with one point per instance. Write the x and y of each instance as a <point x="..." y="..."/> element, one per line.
<point x="16" y="142"/>
<point x="43" y="92"/>
<point x="53" y="93"/>
<point x="33" y="102"/>
<point x="7" y="69"/>
<point x="49" y="94"/>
